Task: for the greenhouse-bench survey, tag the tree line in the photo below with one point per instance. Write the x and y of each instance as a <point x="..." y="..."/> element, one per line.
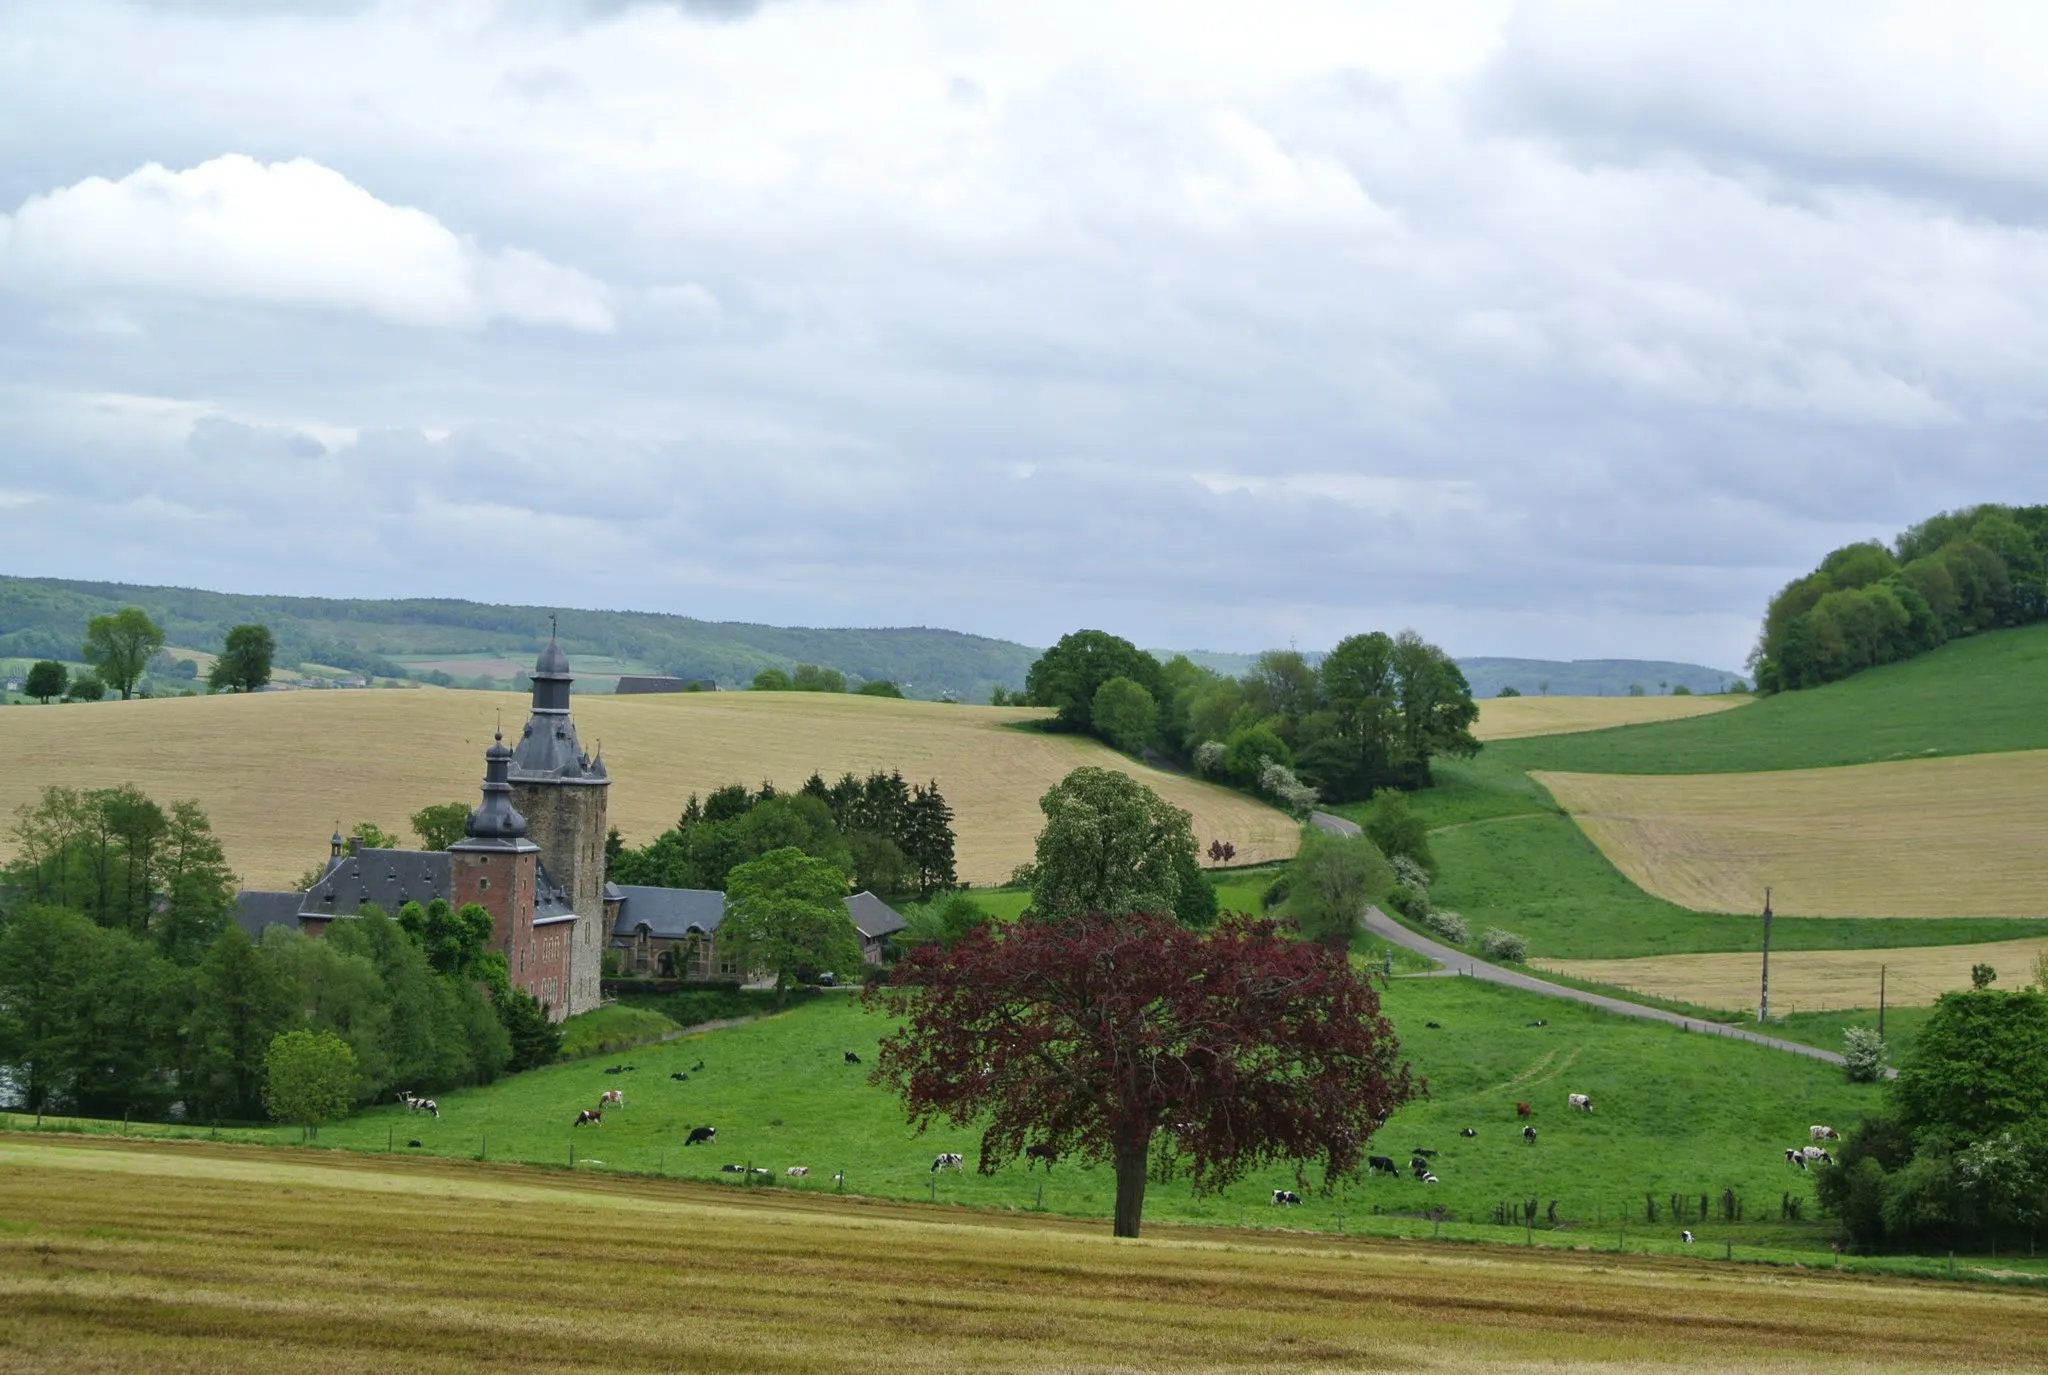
<point x="882" y="833"/>
<point x="122" y="646"/>
<point x="1954" y="574"/>
<point x="125" y="987"/>
<point x="1368" y="715"/>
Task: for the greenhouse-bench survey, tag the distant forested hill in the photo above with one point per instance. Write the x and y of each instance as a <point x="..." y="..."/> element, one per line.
<point x="46" y="618"/>
<point x="1566" y="678"/>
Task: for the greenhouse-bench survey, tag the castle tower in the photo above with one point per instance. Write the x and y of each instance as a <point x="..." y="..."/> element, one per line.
<point x="495" y="866"/>
<point x="562" y="791"/>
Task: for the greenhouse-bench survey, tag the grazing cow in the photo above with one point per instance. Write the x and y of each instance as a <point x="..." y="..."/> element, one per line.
<point x="1428" y="1178"/>
<point x="758" y="1170"/>
<point x="1035" y="1153"/>
<point x="1580" y="1102"/>
<point x="680" y="1077"/>
<point x="1795" y="1156"/>
<point x="590" y="1118"/>
<point x="1469" y="1131"/>
<point x="1426" y="1155"/>
<point x="949" y="1160"/>
<point x="413" y="1145"/>
<point x="1529" y="1135"/>
<point x="1434" y="1026"/>
<point x="1685" y="1237"/>
<point x="615" y="1069"/>
<point x="1813" y="1153"/>
<point x="851" y="1058"/>
<point x="1417" y="1166"/>
<point x="732" y="1169"/>
<point x="1540" y="1021"/>
<point x="1381" y="1164"/>
<point x="797" y="1171"/>
<point x="1822" y="1134"/>
<point x="699" y="1134"/>
<point x="1287" y="1197"/>
<point x="1523" y="1110"/>
<point x="611" y="1098"/>
<point x="840" y="1178"/>
<point x="697" y="1068"/>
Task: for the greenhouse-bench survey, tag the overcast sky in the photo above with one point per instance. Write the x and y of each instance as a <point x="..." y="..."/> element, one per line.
<point x="1549" y="329"/>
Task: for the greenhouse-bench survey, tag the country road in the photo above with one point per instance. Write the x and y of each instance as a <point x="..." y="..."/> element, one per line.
<point x="1457" y="962"/>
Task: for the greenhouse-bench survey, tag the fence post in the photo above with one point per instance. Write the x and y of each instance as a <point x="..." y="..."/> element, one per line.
<point x="1040" y="1205"/>
<point x="390" y="1135"/>
<point x="572" y="1155"/>
<point x="483" y="1146"/>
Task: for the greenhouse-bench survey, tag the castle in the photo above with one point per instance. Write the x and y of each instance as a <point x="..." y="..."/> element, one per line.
<point x="532" y="855"/>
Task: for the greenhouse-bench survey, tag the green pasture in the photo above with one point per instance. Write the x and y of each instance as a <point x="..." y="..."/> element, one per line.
<point x="1674" y="1113"/>
<point x="1982" y="695"/>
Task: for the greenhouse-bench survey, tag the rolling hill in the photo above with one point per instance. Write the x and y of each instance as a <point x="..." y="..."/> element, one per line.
<point x="278" y="771"/>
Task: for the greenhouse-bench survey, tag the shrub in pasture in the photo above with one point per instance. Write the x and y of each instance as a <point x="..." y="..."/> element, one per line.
<point x="1208" y="756"/>
<point x="1863" y="1055"/>
<point x="1294" y="797"/>
<point x="1409" y="874"/>
<point x="86" y="687"/>
<point x="771" y="680"/>
<point x="1396" y="828"/>
<point x="1982" y="976"/>
<point x="1509" y="691"/>
<point x="1331" y="880"/>
<point x="309" y="1077"/>
<point x="1449" y="926"/>
<point x="1504" y="946"/>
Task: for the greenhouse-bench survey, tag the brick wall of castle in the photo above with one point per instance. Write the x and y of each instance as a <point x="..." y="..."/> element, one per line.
<point x="567" y="821"/>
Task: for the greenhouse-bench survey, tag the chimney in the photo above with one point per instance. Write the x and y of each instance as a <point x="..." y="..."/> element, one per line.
<point x="355" y="845"/>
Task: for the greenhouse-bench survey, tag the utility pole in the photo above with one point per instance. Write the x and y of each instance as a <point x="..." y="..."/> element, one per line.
<point x="1880" y="1002"/>
<point x="1763" y="1009"/>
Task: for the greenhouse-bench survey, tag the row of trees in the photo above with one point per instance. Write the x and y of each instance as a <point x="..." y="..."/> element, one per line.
<point x="1370" y="714"/>
<point x="812" y="678"/>
<point x="1955" y="574"/>
<point x="880" y="832"/>
<point x="1959" y="1156"/>
<point x="120" y="646"/>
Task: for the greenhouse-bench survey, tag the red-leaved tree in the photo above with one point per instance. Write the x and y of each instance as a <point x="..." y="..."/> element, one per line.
<point x="1091" y="1037"/>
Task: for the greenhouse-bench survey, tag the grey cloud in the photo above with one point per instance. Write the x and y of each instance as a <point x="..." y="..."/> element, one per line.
<point x="215" y="437"/>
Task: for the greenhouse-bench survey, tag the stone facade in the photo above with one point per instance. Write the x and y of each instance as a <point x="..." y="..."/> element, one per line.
<point x="567" y="821"/>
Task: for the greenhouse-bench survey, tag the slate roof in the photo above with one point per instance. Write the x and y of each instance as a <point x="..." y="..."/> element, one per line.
<point x="389" y="878"/>
<point x="872" y="917"/>
<point x="256" y="911"/>
<point x="673" y="913"/>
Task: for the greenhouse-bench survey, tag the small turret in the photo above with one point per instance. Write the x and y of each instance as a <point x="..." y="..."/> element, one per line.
<point x="494" y="819"/>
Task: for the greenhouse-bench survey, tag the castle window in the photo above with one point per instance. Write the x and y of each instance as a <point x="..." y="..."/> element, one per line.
<point x="483" y="885"/>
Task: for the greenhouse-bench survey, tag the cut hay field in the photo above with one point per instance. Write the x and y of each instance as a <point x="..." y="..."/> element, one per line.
<point x="1811" y="980"/>
<point x="276" y="771"/>
<point x="159" y="1258"/>
<point x="1514" y="718"/>
<point x="1946" y="837"/>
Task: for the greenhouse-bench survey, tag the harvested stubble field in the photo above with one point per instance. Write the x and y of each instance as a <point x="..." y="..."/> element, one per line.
<point x="1515" y="718"/>
<point x="1811" y="980"/>
<point x="1947" y="837"/>
<point x="277" y="771"/>
<point x="173" y="1258"/>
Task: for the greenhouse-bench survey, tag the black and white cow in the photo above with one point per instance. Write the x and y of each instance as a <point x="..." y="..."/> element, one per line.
<point x="1817" y="1153"/>
<point x="851" y="1058"/>
<point x="1795" y="1156"/>
<point x="1035" y="1153"/>
<point x="1287" y="1197"/>
<point x="1818" y="1133"/>
<point x="699" y="1135"/>
<point x="1529" y="1135"/>
<point x="1579" y="1102"/>
<point x="732" y="1169"/>
<point x="948" y="1160"/>
<point x="1469" y="1131"/>
<point x="612" y="1098"/>
<point x="1685" y="1237"/>
<point x="1381" y="1164"/>
<point x="590" y="1118"/>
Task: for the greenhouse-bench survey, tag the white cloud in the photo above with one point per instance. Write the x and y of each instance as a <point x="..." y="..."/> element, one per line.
<point x="293" y="234"/>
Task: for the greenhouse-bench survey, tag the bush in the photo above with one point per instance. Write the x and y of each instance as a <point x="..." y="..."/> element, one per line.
<point x="1208" y="755"/>
<point x="1863" y="1055"/>
<point x="1504" y="946"/>
<point x="86" y="687"/>
<point x="1397" y="830"/>
<point x="1295" y="797"/>
<point x="1408" y="902"/>
<point x="1276" y="893"/>
<point x="1448" y="926"/>
<point x="1409" y="874"/>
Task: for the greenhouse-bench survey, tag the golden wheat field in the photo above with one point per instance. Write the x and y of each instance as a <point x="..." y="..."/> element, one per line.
<point x="1811" y="980"/>
<point x="277" y="771"/>
<point x="1956" y="837"/>
<point x="1511" y="718"/>
<point x="171" y="1258"/>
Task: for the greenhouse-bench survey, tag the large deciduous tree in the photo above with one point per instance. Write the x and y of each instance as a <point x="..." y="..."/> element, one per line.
<point x="786" y="912"/>
<point x="1131" y="1039"/>
<point x="309" y="1077"/>
<point x="1109" y="844"/>
<point x="1067" y="676"/>
<point x="1125" y="715"/>
<point x="1330" y="882"/>
<point x="441" y="825"/>
<point x="244" y="662"/>
<point x="118" y="647"/>
<point x="47" y="679"/>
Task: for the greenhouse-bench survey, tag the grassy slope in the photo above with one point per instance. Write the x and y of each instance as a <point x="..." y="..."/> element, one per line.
<point x="1507" y="857"/>
<point x="1676" y="1113"/>
<point x="1982" y="695"/>
<point x="128" y="1256"/>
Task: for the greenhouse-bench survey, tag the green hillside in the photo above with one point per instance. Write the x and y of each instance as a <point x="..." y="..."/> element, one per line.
<point x="1982" y="695"/>
<point x="46" y="618"/>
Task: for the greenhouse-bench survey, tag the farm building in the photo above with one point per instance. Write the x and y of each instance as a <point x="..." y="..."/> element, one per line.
<point x="674" y="931"/>
<point x="631" y="684"/>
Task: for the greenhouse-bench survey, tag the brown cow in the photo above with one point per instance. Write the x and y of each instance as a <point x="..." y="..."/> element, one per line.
<point x="1522" y="1109"/>
<point x="590" y="1118"/>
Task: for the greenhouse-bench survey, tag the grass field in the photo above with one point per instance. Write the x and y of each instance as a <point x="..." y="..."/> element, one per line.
<point x="175" y="1258"/>
<point x="1983" y="695"/>
<point x="1512" y="718"/>
<point x="1677" y="1113"/>
<point x="1815" y="980"/>
<point x="1935" y="837"/>
<point x="277" y="771"/>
